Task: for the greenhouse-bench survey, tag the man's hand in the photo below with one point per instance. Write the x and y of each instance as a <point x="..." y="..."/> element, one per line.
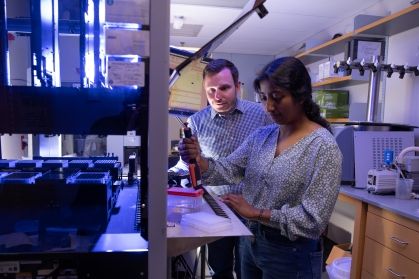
<point x="189" y="149"/>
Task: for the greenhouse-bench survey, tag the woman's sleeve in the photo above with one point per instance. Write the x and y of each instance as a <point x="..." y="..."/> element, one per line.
<point x="229" y="170"/>
<point x="310" y="217"/>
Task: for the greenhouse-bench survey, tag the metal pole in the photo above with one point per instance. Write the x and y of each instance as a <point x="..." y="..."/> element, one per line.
<point x="203" y="260"/>
<point x="4" y="46"/>
<point x="374" y="90"/>
<point x="83" y="11"/>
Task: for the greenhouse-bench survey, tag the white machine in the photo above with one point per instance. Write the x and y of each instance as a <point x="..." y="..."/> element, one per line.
<point x="383" y="180"/>
<point x="362" y="145"/>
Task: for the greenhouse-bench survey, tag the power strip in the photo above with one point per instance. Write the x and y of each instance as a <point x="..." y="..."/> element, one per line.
<point x="9" y="267"/>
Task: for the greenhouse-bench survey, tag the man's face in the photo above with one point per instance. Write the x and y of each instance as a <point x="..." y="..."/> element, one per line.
<point x="221" y="91"/>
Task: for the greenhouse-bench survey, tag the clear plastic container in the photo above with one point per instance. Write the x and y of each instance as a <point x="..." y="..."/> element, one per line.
<point x="403" y="188"/>
<point x="339" y="268"/>
<point x="207" y="222"/>
<point x="184" y="197"/>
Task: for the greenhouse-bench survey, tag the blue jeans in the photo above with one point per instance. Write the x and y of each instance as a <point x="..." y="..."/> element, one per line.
<point x="273" y="256"/>
<point x="225" y="255"/>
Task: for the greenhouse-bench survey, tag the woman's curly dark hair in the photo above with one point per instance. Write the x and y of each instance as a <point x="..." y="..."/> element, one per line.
<point x="290" y="74"/>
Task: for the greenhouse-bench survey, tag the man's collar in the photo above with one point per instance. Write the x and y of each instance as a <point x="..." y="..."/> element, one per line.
<point x="238" y="109"/>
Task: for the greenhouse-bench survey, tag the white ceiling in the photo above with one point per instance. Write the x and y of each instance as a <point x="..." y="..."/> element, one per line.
<point x="286" y="24"/>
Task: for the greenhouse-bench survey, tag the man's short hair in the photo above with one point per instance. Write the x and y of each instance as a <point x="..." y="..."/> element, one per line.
<point x="217" y="65"/>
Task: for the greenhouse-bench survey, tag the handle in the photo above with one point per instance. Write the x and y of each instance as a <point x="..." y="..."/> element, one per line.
<point x="188" y="134"/>
<point x="399" y="241"/>
<point x="394" y="273"/>
<point x="194" y="170"/>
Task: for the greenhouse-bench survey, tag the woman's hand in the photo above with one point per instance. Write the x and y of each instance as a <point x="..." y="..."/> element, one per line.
<point x="239" y="204"/>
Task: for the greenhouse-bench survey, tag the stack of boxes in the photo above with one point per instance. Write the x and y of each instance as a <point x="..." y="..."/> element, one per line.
<point x="333" y="103"/>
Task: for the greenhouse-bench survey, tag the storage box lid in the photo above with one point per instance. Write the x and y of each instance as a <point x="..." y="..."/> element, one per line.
<point x="189" y="192"/>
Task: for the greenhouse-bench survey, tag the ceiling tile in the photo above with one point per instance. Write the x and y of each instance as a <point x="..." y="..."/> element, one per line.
<point x="304" y="23"/>
<point x="287" y="24"/>
<point x="329" y="8"/>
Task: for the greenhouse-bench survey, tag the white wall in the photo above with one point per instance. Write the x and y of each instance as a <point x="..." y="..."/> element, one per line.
<point x="248" y="65"/>
<point x="402" y="95"/>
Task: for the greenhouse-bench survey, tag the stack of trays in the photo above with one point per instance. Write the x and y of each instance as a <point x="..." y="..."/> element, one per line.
<point x="207" y="222"/>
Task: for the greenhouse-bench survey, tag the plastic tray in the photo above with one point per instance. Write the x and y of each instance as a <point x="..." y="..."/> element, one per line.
<point x="29" y="164"/>
<point x="184" y="197"/>
<point x="207" y="222"/>
<point x="7" y="163"/>
<point x="20" y="178"/>
<point x="90" y="177"/>
<point x="81" y="164"/>
<point x="55" y="163"/>
<point x="54" y="178"/>
<point x="105" y="164"/>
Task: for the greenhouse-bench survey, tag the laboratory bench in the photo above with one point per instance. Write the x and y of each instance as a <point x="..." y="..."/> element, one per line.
<point x="386" y="234"/>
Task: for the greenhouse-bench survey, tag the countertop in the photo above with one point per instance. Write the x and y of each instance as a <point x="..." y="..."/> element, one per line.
<point x="407" y="208"/>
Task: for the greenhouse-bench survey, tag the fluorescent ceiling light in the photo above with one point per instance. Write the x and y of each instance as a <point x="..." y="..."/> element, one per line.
<point x="178" y="22"/>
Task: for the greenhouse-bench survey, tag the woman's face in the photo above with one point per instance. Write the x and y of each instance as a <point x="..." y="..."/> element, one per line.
<point x="279" y="104"/>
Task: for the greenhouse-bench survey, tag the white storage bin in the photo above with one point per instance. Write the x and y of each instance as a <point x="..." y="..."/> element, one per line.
<point x="339" y="268"/>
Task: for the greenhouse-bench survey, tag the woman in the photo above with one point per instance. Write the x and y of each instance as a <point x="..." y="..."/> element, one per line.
<point x="291" y="171"/>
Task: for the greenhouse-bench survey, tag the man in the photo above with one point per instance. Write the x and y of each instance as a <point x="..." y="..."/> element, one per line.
<point x="221" y="128"/>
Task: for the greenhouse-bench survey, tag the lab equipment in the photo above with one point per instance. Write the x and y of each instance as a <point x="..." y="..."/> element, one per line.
<point x="363" y="143"/>
<point x="194" y="170"/>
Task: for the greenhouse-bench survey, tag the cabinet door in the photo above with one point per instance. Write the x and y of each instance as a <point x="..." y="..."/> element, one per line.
<point x="394" y="236"/>
<point x="366" y="275"/>
<point x="383" y="263"/>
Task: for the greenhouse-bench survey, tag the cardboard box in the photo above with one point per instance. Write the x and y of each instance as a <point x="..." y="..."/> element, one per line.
<point x="321" y="71"/>
<point x="338" y="112"/>
<point x="339" y="251"/>
<point x="331" y="98"/>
